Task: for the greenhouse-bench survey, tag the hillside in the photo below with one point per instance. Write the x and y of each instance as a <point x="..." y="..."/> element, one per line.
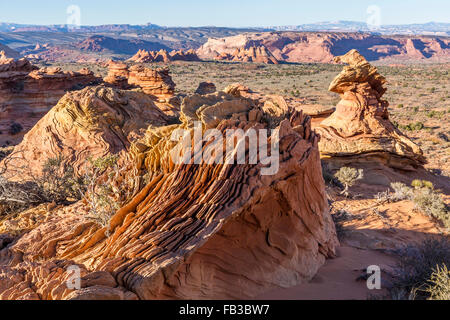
<point x="323" y="47"/>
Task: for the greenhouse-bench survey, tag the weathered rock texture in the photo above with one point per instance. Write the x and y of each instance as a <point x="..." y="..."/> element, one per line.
<point x="324" y="46"/>
<point x="144" y="56"/>
<point x="93" y="122"/>
<point x="201" y="231"/>
<point x="26" y="94"/>
<point x="360" y="130"/>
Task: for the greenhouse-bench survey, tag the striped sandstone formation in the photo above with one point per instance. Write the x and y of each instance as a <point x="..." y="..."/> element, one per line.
<point x="191" y="231"/>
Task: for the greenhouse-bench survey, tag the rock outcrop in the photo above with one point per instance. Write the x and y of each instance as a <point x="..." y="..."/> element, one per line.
<point x="154" y="82"/>
<point x="26" y="94"/>
<point x="144" y="56"/>
<point x="325" y="46"/>
<point x="93" y="122"/>
<point x="206" y="88"/>
<point x="360" y="131"/>
<point x="193" y="231"/>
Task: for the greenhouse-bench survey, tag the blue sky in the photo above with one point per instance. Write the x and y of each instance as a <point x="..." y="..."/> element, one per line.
<point x="232" y="13"/>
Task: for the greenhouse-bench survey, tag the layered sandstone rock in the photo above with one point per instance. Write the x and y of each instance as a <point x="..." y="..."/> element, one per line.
<point x="360" y="130"/>
<point x="194" y="231"/>
<point x="144" y="56"/>
<point x="26" y="94"/>
<point x="318" y="113"/>
<point x="155" y="82"/>
<point x="117" y="74"/>
<point x="93" y="122"/>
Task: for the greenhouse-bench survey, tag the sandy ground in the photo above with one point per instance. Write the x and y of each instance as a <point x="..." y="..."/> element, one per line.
<point x="337" y="279"/>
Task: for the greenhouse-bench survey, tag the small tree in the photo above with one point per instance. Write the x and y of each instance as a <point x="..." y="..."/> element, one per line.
<point x="348" y="177"/>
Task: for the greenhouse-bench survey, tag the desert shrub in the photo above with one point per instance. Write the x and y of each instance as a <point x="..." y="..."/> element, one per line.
<point x="58" y="184"/>
<point x="413" y="274"/>
<point x="439" y="284"/>
<point x="348" y="178"/>
<point x="15" y="128"/>
<point x="416" y="126"/>
<point x="430" y="202"/>
<point x="401" y="192"/>
<point x="101" y="190"/>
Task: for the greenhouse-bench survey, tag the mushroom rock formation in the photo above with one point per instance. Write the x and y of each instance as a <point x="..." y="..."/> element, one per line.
<point x="193" y="231"/>
<point x="360" y="131"/>
<point x="93" y="122"/>
<point x="154" y="82"/>
<point x="26" y="94"/>
<point x="117" y="74"/>
<point x="206" y="88"/>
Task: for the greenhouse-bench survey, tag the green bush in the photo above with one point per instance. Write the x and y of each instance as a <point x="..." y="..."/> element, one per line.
<point x="348" y="178"/>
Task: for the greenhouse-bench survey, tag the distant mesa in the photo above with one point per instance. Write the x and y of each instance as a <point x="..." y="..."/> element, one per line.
<point x="99" y="44"/>
<point x="323" y="47"/>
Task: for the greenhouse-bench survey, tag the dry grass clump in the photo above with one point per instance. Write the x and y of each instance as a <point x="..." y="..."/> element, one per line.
<point x="422" y="271"/>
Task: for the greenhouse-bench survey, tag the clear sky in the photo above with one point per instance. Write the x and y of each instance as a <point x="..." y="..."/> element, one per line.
<point x="231" y="13"/>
